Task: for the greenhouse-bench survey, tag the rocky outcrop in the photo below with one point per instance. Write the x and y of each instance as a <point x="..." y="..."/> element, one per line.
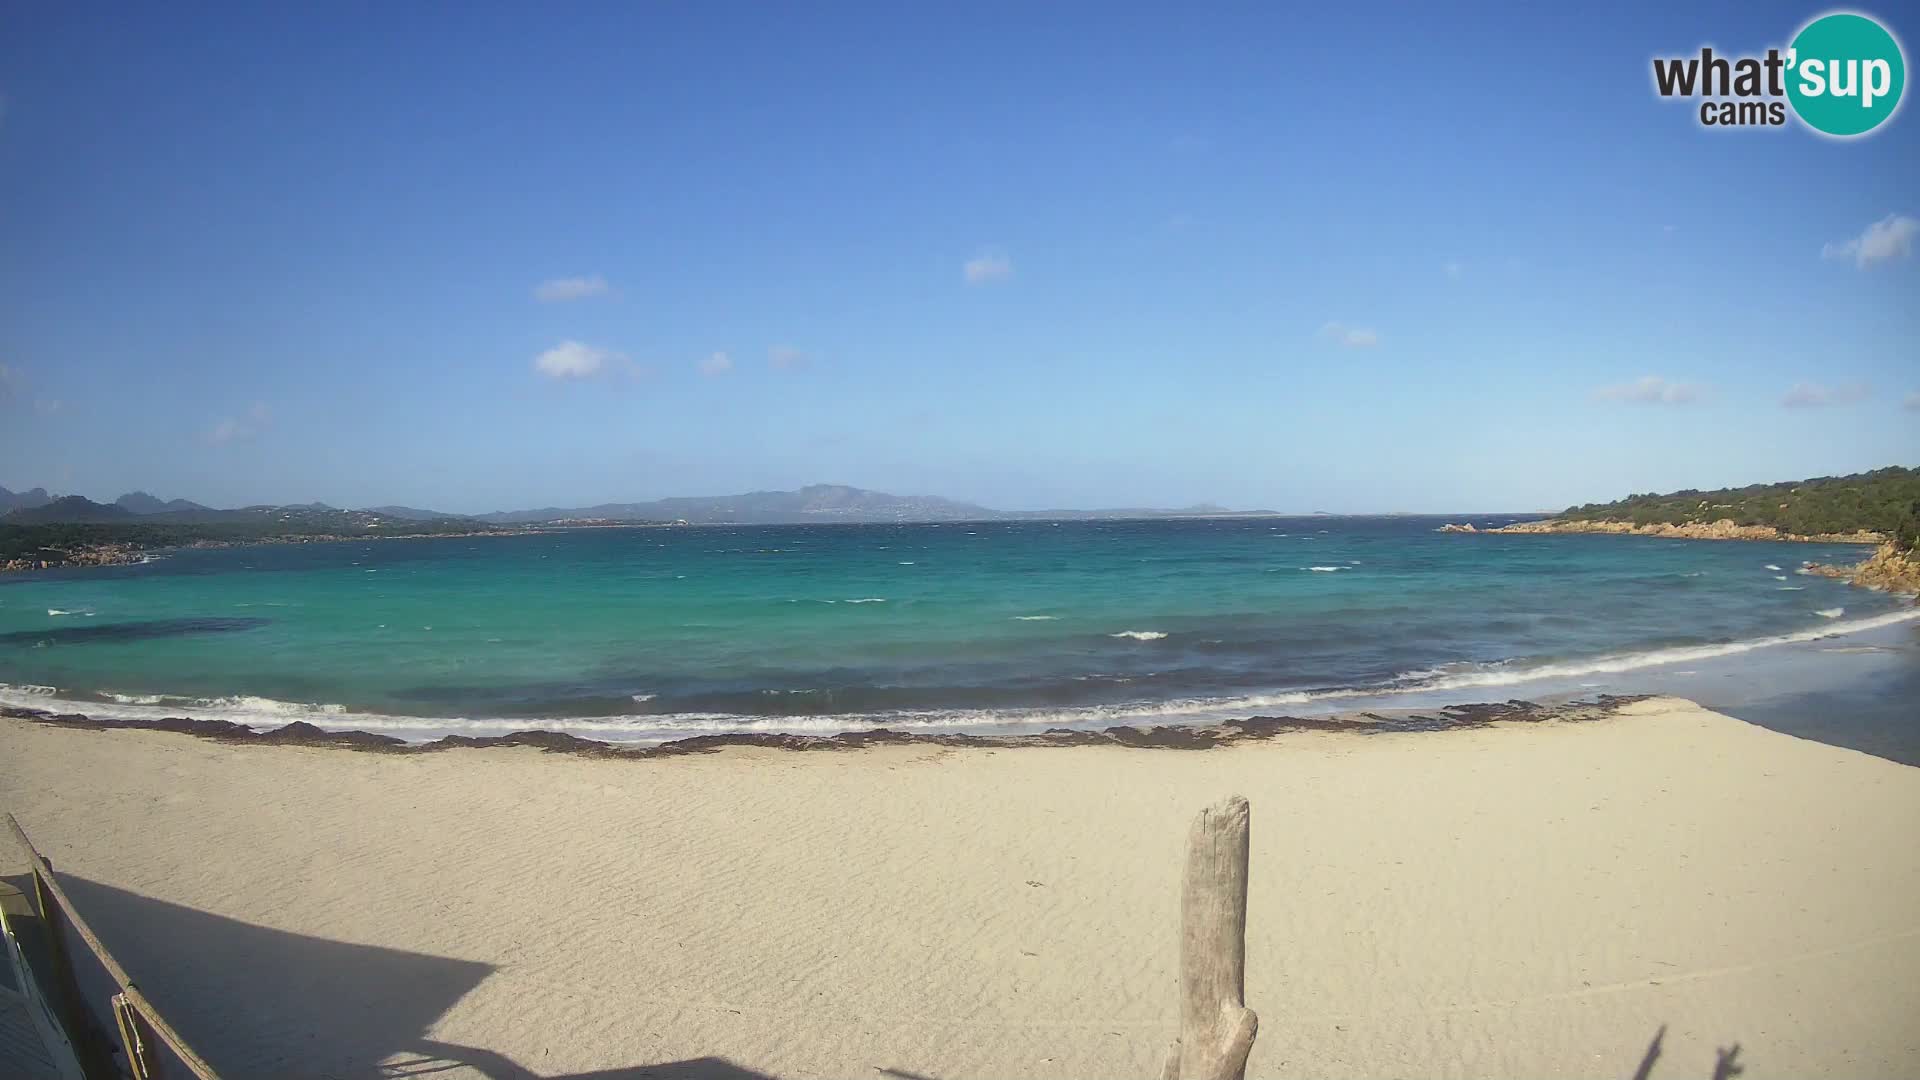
<point x="1451" y="527"/>
<point x="1888" y="570"/>
<point x="1697" y="530"/>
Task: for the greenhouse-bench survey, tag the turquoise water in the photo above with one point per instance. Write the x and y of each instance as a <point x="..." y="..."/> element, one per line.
<point x="648" y="634"/>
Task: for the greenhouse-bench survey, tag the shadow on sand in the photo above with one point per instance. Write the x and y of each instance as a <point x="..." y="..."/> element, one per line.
<point x="258" y="1001"/>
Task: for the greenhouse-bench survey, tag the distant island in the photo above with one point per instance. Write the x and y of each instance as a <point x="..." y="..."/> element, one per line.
<point x="40" y="530"/>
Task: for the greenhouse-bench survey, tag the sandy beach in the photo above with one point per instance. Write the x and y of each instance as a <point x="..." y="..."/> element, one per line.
<point x="1516" y="901"/>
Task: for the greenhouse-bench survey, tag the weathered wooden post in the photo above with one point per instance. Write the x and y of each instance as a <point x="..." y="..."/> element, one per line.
<point x="1216" y="1027"/>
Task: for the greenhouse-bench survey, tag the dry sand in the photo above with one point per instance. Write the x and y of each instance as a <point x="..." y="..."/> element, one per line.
<point x="1523" y="901"/>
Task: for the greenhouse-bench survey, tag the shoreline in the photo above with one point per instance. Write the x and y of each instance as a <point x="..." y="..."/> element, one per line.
<point x="243" y="717"/>
<point x="1723" y="529"/>
<point x="127" y="554"/>
<point x="1160" y="736"/>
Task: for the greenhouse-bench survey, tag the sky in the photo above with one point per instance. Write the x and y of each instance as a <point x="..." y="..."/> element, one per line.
<point x="1363" y="258"/>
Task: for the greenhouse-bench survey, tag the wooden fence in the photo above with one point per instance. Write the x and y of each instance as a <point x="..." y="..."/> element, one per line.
<point x="152" y="1048"/>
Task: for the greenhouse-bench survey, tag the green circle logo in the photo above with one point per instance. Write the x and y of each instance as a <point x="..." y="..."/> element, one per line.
<point x="1845" y="74"/>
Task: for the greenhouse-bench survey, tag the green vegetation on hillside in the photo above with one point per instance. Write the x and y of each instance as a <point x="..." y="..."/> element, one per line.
<point x="1884" y="500"/>
<point x="49" y="541"/>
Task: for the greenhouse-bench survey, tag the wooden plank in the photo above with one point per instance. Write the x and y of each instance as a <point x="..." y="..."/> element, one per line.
<point x="1216" y="1027"/>
<point x="50" y="1052"/>
<point x="52" y="897"/>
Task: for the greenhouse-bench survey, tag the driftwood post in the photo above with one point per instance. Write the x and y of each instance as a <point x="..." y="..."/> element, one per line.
<point x="1216" y="1027"/>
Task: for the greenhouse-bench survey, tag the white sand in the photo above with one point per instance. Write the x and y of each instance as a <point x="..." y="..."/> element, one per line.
<point x="1521" y="901"/>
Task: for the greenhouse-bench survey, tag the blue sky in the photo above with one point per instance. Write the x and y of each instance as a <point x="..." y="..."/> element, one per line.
<point x="1367" y="258"/>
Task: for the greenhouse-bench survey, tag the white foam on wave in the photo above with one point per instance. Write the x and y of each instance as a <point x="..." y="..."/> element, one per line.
<point x="1324" y="569"/>
<point x="1770" y="566"/>
<point x="869" y="600"/>
<point x="1831" y="613"/>
<point x="29" y="689"/>
<point x="1035" y="618"/>
<point x="1140" y="635"/>
<point x="1621" y="662"/>
<point x="266" y="713"/>
<point x="1790" y="588"/>
<point x="1779" y="577"/>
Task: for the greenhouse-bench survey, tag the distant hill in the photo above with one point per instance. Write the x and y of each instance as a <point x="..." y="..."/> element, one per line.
<point x="815" y="503"/>
<point x="139" y="502"/>
<point x="1883" y="501"/>
<point x="68" y="509"/>
<point x="410" y="513"/>
<point x="23" y="500"/>
<point x="823" y="502"/>
<point x="820" y="502"/>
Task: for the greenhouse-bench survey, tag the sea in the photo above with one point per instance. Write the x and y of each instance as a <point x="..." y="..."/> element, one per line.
<point x="650" y="634"/>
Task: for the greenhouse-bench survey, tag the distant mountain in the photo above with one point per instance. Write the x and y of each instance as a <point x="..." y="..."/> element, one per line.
<point x="819" y="502"/>
<point x="822" y="502"/>
<point x="139" y="502"/>
<point x="23" y="500"/>
<point x="815" y="503"/>
<point x="410" y="513"/>
<point x="68" y="509"/>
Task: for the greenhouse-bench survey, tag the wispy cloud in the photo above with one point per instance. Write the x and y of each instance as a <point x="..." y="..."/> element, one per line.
<point x="1807" y="395"/>
<point x="1453" y="270"/>
<point x="561" y="290"/>
<point x="988" y="266"/>
<point x="1883" y="241"/>
<point x="1350" y="337"/>
<point x="1913" y="402"/>
<point x="1652" y="390"/>
<point x="717" y="364"/>
<point x="575" y="360"/>
<point x="786" y="358"/>
<point x="48" y="406"/>
<point x="229" y="429"/>
<point x="9" y="384"/>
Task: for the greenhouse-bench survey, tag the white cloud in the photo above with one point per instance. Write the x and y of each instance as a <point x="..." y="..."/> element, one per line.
<point x="1652" y="390"/>
<point x="988" y="266"/>
<point x="230" y="429"/>
<point x="717" y="364"/>
<point x="1807" y="395"/>
<point x="1350" y="337"/>
<point x="1913" y="402"/>
<point x="574" y="360"/>
<point x="560" y="290"/>
<point x="1883" y="241"/>
<point x="786" y="358"/>
<point x="1453" y="269"/>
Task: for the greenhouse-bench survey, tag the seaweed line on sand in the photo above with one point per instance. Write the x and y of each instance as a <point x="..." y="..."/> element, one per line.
<point x="1159" y="737"/>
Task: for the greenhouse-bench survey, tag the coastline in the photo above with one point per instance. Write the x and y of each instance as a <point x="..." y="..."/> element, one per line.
<point x="1723" y="529"/>
<point x="1160" y="736"/>
<point x="1514" y="900"/>
<point x="126" y="554"/>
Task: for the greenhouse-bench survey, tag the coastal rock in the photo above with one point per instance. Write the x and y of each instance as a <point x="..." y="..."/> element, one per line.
<point x="1452" y="528"/>
<point x="1724" y="529"/>
<point x="1888" y="570"/>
